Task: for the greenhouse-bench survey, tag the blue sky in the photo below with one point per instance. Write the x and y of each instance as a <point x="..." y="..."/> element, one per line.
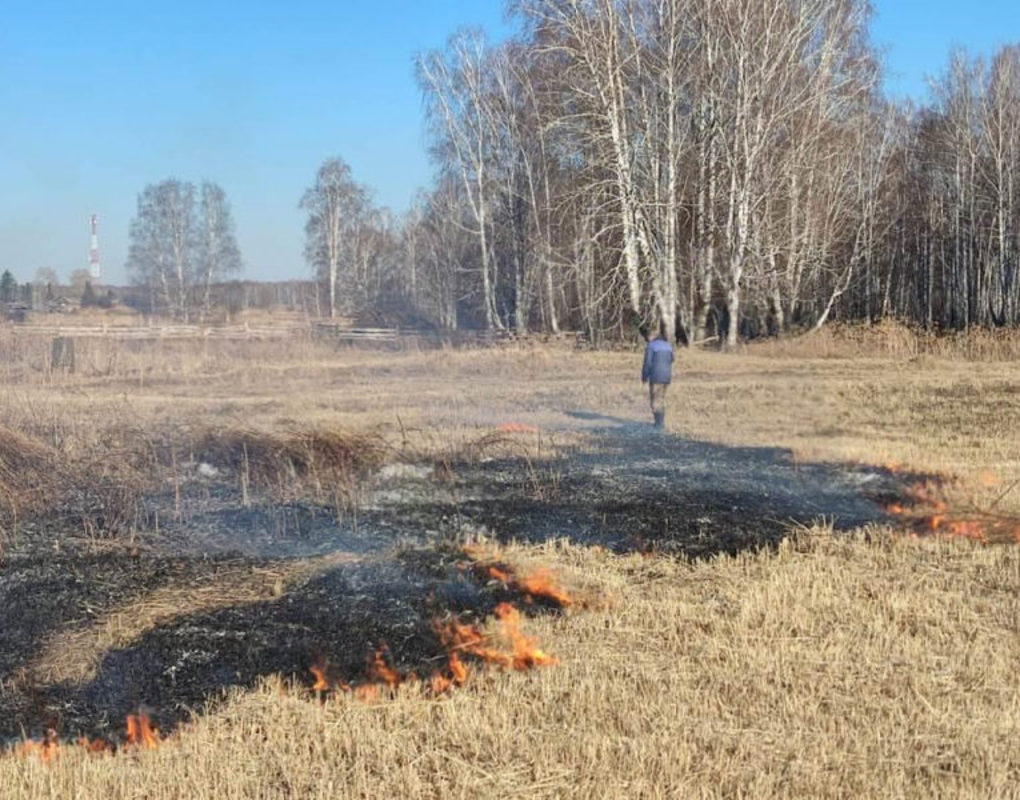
<point x="101" y="98"/>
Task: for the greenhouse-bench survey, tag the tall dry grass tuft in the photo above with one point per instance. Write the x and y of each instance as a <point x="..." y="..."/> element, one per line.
<point x="92" y="485"/>
<point x="290" y="460"/>
<point x="894" y="340"/>
<point x="23" y="461"/>
<point x="26" y="466"/>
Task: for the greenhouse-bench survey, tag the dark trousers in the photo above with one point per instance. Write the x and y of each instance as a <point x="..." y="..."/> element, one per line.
<point x="657" y="396"/>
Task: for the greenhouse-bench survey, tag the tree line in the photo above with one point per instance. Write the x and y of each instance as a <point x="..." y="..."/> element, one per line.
<point x="722" y="167"/>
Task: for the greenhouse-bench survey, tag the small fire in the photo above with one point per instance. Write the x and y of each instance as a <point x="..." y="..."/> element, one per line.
<point x="469" y="639"/>
<point x="439" y="683"/>
<point x="460" y="638"/>
<point x="516" y="427"/>
<point x="94" y="745"/>
<point x="456" y="675"/>
<point x="526" y="655"/>
<point x="140" y="731"/>
<point x="498" y="574"/>
<point x="929" y="495"/>
<point x="541" y="583"/>
<point x="507" y="647"/>
<point x="319" y="671"/>
<point x="367" y="692"/>
<point x="968" y="529"/>
<point x="382" y="672"/>
<point x="928" y="512"/>
<point x="457" y="670"/>
<point x="47" y="750"/>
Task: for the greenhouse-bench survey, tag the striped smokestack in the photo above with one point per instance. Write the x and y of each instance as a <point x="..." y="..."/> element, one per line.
<point x="94" y="249"/>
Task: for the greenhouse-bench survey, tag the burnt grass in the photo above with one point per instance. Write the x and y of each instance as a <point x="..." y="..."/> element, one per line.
<point x="633" y="490"/>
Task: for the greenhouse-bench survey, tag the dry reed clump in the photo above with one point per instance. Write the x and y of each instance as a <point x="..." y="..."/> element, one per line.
<point x="92" y="481"/>
<point x="893" y="339"/>
<point x="26" y="475"/>
<point x="24" y="461"/>
<point x="288" y="459"/>
<point x="858" y="666"/>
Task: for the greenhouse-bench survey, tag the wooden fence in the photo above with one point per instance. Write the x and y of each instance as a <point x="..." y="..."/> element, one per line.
<point x="322" y="331"/>
<point x="217" y="332"/>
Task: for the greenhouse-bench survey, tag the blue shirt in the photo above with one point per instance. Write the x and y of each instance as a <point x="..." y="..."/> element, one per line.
<point x="658" y="366"/>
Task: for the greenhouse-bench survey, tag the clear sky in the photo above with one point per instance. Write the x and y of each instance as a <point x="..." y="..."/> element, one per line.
<point x="100" y="98"/>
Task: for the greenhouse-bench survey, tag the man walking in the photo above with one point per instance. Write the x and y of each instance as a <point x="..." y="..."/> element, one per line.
<point x="657" y="372"/>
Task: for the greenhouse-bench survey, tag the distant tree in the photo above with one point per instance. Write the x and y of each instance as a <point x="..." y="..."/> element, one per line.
<point x="88" y="296"/>
<point x="8" y="287"/>
<point x="217" y="255"/>
<point x="336" y="205"/>
<point x="78" y="280"/>
<point x="182" y="240"/>
<point x="162" y="238"/>
<point x="45" y="276"/>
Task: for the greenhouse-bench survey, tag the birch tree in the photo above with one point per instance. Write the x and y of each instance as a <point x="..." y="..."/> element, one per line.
<point x="162" y="244"/>
<point x="458" y="91"/>
<point x="335" y="205"/>
<point x="217" y="254"/>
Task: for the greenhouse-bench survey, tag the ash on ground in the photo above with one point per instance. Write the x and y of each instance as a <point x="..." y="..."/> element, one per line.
<point x="631" y="490"/>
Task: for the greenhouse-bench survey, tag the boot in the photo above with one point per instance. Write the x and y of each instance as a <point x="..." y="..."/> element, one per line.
<point x="660" y="419"/>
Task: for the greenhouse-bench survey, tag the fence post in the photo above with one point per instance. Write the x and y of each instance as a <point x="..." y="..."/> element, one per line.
<point x="62" y="354"/>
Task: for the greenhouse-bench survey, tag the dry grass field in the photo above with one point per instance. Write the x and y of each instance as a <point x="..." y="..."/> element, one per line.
<point x="876" y="662"/>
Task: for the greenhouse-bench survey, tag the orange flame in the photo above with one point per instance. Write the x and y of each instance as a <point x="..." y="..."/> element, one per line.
<point x="367" y="692"/>
<point x="469" y="639"/>
<point x="47" y="750"/>
<point x="526" y="655"/>
<point x="94" y="745"/>
<point x="140" y="731"/>
<point x="928" y="495"/>
<point x="456" y="675"/>
<point x="968" y="529"/>
<point x="439" y="683"/>
<point x="498" y="574"/>
<point x="319" y="671"/>
<point x="542" y="584"/>
<point x="379" y="670"/>
<point x="516" y="427"/>
<point x="457" y="669"/>
<point x="930" y="513"/>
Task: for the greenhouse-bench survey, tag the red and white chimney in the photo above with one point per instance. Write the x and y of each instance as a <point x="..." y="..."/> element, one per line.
<point x="94" y="249"/>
